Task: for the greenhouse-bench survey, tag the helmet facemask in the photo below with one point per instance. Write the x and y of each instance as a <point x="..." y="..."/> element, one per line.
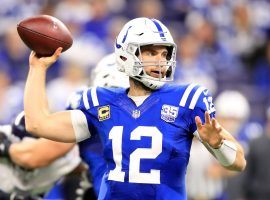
<point x="164" y="71"/>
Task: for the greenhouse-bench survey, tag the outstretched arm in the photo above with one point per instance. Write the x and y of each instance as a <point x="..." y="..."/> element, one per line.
<point x="221" y="143"/>
<point x="38" y="153"/>
<point x="39" y="121"/>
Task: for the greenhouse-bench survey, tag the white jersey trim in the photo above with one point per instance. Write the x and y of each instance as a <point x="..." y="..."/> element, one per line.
<point x="85" y="99"/>
<point x="80" y="126"/>
<point x="196" y="97"/>
<point x="94" y="96"/>
<point x="186" y="94"/>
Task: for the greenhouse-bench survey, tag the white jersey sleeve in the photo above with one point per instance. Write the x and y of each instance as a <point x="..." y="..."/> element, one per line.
<point x="80" y="126"/>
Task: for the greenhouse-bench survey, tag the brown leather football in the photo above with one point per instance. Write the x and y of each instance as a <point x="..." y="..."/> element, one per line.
<point x="44" y="34"/>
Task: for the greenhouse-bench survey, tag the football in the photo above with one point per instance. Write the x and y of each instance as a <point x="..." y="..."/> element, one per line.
<point x="44" y="34"/>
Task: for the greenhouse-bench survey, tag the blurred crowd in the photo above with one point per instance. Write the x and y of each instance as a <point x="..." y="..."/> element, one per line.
<point x="222" y="44"/>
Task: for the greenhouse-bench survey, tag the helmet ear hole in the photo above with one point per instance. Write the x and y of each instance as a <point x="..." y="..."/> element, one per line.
<point x="123" y="58"/>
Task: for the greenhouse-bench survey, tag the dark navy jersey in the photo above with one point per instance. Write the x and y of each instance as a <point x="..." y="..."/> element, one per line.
<point x="146" y="147"/>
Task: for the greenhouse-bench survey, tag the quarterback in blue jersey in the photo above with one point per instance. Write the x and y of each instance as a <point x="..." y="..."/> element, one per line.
<point x="147" y="129"/>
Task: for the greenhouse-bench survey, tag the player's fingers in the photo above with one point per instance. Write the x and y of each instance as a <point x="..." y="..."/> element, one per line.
<point x="32" y="57"/>
<point x="216" y="125"/>
<point x="207" y="118"/>
<point x="57" y="53"/>
<point x="32" y="54"/>
<point x="198" y="122"/>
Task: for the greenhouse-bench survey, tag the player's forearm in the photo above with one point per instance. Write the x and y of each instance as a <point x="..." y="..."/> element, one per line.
<point x="35" y="101"/>
<point x="37" y="153"/>
<point x="240" y="161"/>
<point x="231" y="153"/>
<point x="38" y="120"/>
<point x="24" y="156"/>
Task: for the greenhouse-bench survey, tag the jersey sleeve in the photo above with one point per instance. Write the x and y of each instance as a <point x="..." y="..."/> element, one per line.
<point x="202" y="101"/>
<point x="196" y="100"/>
<point x="83" y="116"/>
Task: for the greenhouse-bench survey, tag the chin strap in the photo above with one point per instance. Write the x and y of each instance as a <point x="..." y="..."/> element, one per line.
<point x="152" y="84"/>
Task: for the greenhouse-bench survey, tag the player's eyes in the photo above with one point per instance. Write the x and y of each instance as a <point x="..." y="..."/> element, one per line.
<point x="149" y="53"/>
<point x="164" y="55"/>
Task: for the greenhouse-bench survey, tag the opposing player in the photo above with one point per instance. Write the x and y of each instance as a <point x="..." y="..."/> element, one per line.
<point x="147" y="129"/>
<point x="30" y="165"/>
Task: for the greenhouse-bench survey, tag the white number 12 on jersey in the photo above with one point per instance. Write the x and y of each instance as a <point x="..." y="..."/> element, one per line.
<point x="135" y="176"/>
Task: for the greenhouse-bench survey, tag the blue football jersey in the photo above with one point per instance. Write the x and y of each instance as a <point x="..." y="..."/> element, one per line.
<point x="146" y="147"/>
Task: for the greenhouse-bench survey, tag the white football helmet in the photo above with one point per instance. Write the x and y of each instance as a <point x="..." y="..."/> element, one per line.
<point x="106" y="74"/>
<point x="141" y="32"/>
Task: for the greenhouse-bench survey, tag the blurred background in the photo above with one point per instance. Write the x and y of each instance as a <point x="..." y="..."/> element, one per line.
<point x="222" y="44"/>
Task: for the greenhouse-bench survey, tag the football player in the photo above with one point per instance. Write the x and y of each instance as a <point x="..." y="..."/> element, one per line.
<point x="30" y="165"/>
<point x="147" y="129"/>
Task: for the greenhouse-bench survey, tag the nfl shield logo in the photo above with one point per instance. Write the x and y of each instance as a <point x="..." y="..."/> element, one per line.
<point x="136" y="114"/>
